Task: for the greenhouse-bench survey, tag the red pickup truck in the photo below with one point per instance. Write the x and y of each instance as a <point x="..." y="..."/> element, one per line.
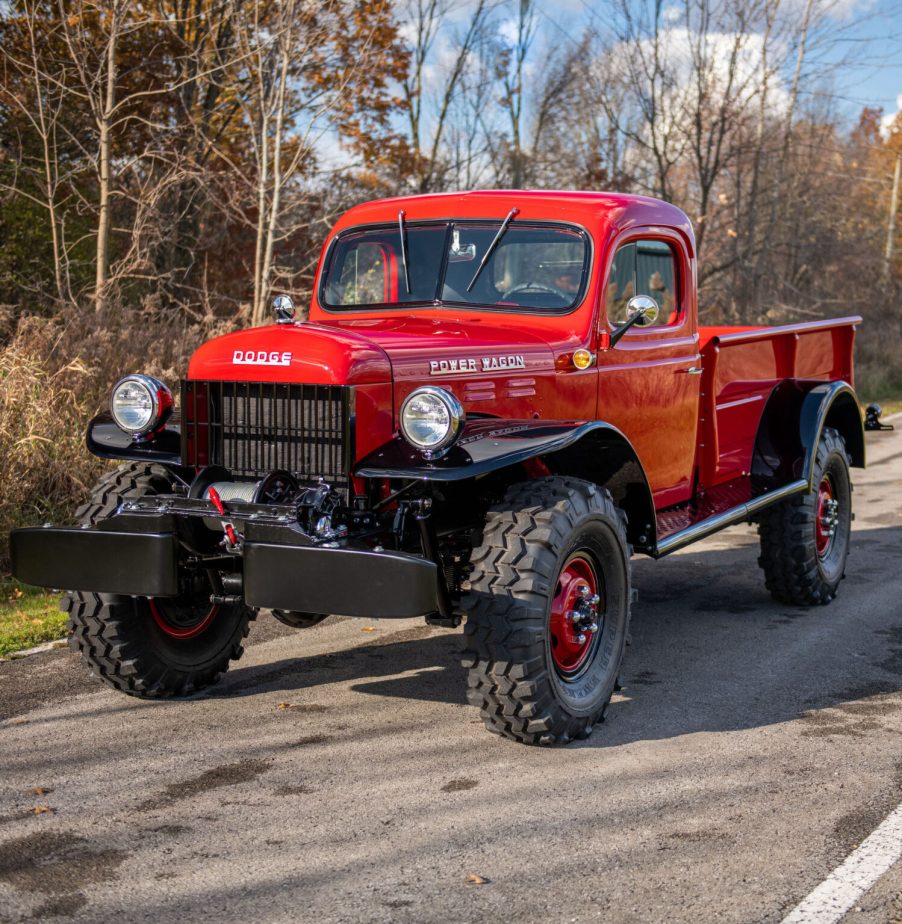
<point x="497" y="399"/>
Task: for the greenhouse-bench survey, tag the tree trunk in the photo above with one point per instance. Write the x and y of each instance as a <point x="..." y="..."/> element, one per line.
<point x="104" y="156"/>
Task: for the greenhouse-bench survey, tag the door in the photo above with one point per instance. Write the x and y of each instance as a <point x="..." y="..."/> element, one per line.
<point x="649" y="381"/>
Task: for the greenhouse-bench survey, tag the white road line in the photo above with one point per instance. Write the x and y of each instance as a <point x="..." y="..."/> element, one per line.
<point x="839" y="892"/>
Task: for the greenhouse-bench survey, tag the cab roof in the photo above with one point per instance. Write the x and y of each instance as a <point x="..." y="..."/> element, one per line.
<point x="598" y="212"/>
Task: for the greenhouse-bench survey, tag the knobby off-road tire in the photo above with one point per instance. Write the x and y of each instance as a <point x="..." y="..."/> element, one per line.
<point x="803" y="560"/>
<point x="529" y="675"/>
<point x="298" y="620"/>
<point x="144" y="647"/>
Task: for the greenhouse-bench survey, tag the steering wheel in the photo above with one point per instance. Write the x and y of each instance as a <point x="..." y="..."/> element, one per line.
<point x="537" y="287"/>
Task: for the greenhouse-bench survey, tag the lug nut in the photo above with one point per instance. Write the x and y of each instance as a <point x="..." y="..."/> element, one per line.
<point x="580" y="638"/>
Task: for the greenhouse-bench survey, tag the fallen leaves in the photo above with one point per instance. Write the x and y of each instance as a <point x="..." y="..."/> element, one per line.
<point x="41" y="790"/>
<point x="43" y="810"/>
<point x="476" y="879"/>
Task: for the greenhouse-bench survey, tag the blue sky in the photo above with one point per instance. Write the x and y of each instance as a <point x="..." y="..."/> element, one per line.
<point x="862" y="60"/>
<point x="873" y="40"/>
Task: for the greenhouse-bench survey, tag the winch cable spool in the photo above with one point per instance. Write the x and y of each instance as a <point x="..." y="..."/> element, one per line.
<point x="278" y="487"/>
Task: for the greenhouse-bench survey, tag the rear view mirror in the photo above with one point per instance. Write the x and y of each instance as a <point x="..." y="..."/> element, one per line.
<point x="641" y="311"/>
<point x="458" y="254"/>
<point x="644" y="308"/>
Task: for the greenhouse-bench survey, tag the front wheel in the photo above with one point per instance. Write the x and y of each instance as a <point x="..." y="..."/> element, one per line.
<point x="805" y="539"/>
<point x="548" y="611"/>
<point x="169" y="646"/>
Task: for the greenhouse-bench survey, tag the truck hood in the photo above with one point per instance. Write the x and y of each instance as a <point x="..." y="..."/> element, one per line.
<point x="368" y="351"/>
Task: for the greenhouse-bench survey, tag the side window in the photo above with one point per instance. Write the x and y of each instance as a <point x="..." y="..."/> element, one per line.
<point x="621" y="283"/>
<point x="643" y="268"/>
<point x="656" y="276"/>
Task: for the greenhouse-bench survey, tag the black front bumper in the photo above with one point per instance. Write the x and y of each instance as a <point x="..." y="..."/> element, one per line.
<point x="277" y="575"/>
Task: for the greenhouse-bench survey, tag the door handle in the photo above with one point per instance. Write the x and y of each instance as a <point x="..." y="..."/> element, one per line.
<point x="693" y="370"/>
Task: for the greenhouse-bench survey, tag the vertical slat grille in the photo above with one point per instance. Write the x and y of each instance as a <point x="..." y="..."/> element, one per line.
<point x="252" y="428"/>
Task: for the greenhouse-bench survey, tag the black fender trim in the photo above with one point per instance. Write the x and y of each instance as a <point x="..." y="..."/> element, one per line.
<point x="791" y="426"/>
<point x="106" y="440"/>
<point x="486" y="445"/>
<point x="594" y="450"/>
<point x="833" y="404"/>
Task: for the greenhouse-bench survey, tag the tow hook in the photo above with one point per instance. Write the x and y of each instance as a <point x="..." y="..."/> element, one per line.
<point x="584" y="616"/>
<point x="231" y="542"/>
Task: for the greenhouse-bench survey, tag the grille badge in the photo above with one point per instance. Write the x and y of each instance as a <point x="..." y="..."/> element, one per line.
<point x="260" y="358"/>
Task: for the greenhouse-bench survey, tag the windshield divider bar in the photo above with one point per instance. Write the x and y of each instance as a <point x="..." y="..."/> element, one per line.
<point x="401" y="229"/>
<point x="492" y="246"/>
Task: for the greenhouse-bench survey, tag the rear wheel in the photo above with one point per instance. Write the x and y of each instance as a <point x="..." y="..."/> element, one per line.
<point x="805" y="539"/>
<point x="168" y="646"/>
<point x="548" y="611"/>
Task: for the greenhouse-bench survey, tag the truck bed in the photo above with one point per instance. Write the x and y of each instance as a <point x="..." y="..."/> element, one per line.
<point x="741" y="367"/>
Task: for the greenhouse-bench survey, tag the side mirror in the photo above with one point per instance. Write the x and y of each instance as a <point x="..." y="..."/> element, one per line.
<point x="283" y="309"/>
<point x="641" y="310"/>
<point x="644" y="308"/>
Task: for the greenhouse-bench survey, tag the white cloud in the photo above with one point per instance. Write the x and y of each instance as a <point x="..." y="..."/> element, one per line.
<point x="886" y="123"/>
<point x="507" y="31"/>
<point x="679" y="48"/>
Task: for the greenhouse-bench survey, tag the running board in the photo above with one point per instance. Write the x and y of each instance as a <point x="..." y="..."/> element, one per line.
<point x="729" y="517"/>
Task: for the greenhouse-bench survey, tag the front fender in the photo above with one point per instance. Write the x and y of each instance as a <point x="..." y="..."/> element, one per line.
<point x="486" y="445"/>
<point x="595" y="451"/>
<point x="106" y="440"/>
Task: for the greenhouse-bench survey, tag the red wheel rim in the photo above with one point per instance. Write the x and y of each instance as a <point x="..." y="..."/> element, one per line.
<point x="573" y="624"/>
<point x="827" y="517"/>
<point x="181" y="633"/>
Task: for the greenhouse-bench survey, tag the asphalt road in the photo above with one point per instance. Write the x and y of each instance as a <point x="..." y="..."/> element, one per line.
<point x="752" y="748"/>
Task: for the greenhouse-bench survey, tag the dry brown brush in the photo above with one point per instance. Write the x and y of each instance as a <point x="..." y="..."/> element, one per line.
<point x="55" y="374"/>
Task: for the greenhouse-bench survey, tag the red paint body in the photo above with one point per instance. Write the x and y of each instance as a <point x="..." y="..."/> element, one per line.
<point x="690" y="431"/>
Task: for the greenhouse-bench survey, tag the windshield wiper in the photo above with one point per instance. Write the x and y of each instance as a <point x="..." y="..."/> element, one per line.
<point x="492" y="246"/>
<point x="402" y="232"/>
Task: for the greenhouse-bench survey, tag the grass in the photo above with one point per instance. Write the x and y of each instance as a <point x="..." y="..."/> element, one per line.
<point x="28" y="616"/>
<point x="887" y="395"/>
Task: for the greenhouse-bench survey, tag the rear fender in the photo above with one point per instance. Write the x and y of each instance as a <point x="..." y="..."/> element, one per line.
<point x="595" y="451"/>
<point x="791" y="426"/>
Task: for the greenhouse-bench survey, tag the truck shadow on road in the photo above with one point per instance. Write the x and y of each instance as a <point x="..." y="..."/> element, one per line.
<point x="711" y="651"/>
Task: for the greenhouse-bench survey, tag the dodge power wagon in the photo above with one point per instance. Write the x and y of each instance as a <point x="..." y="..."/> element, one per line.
<point x="498" y="398"/>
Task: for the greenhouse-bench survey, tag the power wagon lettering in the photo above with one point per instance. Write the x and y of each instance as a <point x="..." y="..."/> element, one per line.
<point x="260" y="358"/>
<point x="489" y="363"/>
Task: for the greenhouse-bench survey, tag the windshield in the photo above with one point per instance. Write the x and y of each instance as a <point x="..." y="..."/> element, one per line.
<point x="542" y="268"/>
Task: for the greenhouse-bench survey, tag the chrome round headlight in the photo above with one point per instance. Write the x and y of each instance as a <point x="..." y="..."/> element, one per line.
<point x="431" y="419"/>
<point x="140" y="404"/>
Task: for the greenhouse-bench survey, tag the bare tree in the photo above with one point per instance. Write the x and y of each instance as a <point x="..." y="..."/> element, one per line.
<point x="429" y="112"/>
<point x="37" y="95"/>
<point x="510" y="70"/>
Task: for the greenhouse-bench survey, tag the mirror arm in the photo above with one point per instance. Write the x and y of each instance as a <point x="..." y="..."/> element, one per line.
<point x="618" y="332"/>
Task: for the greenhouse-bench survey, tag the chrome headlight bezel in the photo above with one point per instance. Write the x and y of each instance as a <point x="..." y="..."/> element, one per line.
<point x="452" y="407"/>
<point x="159" y="401"/>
